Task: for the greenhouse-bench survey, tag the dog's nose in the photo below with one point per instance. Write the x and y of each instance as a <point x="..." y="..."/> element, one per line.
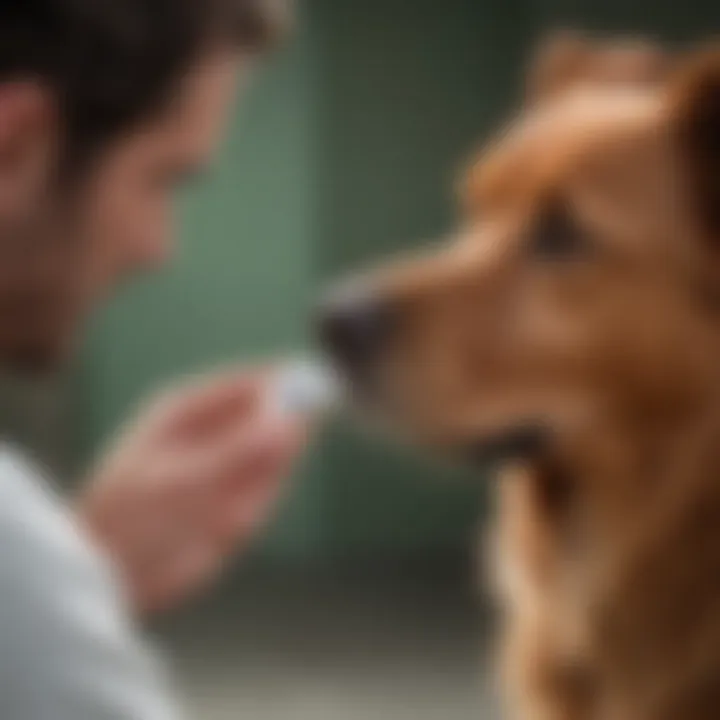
<point x="354" y="328"/>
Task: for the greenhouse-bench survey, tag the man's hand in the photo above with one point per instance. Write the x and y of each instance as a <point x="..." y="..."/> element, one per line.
<point x="191" y="481"/>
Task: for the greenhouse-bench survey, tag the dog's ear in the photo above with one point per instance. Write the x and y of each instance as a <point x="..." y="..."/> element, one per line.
<point x="559" y="60"/>
<point x="695" y="122"/>
<point x="567" y="58"/>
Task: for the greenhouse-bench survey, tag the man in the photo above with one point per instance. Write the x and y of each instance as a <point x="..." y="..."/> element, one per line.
<point x="106" y="108"/>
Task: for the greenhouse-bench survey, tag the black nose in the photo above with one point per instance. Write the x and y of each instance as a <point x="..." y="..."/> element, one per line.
<point x="354" y="329"/>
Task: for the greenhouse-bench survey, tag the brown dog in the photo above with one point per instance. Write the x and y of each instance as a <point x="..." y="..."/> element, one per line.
<point x="571" y="329"/>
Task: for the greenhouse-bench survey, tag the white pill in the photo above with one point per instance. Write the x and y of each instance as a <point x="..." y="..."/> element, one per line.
<point x="305" y="388"/>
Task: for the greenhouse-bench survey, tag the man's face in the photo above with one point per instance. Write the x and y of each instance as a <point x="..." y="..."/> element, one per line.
<point x="62" y="250"/>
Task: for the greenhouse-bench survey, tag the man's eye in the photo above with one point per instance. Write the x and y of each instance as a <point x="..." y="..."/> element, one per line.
<point x="556" y="236"/>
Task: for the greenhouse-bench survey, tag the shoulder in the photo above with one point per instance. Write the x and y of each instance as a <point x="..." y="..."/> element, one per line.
<point x="39" y="538"/>
<point x="68" y="641"/>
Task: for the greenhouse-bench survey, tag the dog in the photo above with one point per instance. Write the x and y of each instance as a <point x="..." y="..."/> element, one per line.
<point x="569" y="330"/>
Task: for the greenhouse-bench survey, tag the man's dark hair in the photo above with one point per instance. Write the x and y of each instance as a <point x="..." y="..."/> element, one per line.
<point x="112" y="63"/>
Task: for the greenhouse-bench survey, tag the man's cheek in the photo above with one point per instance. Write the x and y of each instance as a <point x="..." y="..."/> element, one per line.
<point x="152" y="236"/>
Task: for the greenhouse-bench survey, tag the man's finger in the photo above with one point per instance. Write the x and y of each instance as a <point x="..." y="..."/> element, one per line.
<point x="194" y="568"/>
<point x="231" y="456"/>
<point x="193" y="411"/>
<point x="244" y="513"/>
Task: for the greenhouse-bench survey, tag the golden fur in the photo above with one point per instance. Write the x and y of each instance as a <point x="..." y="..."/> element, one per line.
<point x="608" y="545"/>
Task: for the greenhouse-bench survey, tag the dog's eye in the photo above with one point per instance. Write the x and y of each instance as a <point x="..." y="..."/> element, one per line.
<point x="557" y="236"/>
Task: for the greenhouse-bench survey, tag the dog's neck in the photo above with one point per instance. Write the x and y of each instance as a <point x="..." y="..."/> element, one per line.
<point x="633" y="459"/>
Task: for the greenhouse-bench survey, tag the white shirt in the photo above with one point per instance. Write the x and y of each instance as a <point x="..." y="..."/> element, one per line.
<point x="68" y="647"/>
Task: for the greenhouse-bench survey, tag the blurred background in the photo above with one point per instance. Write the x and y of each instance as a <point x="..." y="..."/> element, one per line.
<point x="362" y="601"/>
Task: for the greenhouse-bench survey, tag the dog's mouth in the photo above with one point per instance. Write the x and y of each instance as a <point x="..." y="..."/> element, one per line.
<point x="525" y="442"/>
<point x="496" y="444"/>
<point x="497" y="440"/>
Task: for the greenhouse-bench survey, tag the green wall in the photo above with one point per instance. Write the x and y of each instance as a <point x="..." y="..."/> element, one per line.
<point x="347" y="150"/>
<point x="670" y="20"/>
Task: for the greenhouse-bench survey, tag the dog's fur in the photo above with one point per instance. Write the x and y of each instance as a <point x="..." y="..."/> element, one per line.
<point x="581" y="296"/>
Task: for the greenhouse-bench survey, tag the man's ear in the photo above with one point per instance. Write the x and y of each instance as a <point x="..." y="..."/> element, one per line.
<point x="28" y="141"/>
<point x="567" y="58"/>
<point x="695" y="123"/>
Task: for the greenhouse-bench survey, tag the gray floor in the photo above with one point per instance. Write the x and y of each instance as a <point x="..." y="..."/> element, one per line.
<point x="342" y="650"/>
